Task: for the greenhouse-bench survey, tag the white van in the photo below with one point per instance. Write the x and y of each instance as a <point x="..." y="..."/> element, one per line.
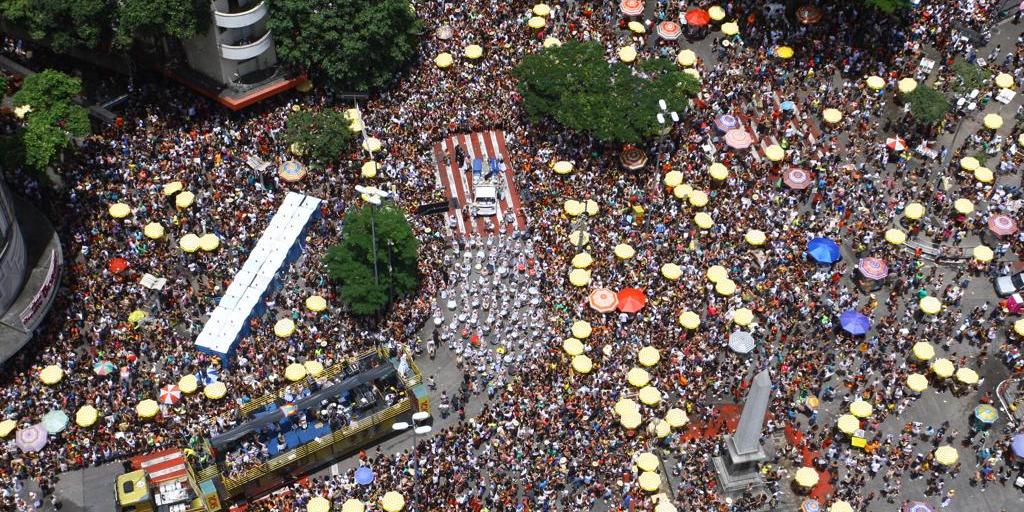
<point x="485" y="199"/>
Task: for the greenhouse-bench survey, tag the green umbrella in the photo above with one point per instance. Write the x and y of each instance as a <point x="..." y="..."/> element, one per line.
<point x="55" y="421"/>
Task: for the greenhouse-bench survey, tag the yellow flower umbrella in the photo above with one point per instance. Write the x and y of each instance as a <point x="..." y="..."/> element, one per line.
<point x="755" y="237"/>
<point x="473" y="51"/>
<point x="837" y="506"/>
<point x="969" y="163"/>
<point x="392" y="501"/>
<point x="665" y="506"/>
<point x="188" y="384"/>
<point x="682" y="191"/>
<point x="649" y="481"/>
<point x="86" y="416"/>
<point x="647" y="461"/>
<point x="147" y="408"/>
<point x="725" y="287"/>
<point x="626" y="407"/>
<point x="718" y="171"/>
<point x="581" y="329"/>
<point x="649" y="395"/>
<point x="967" y="376"/>
<point x="946" y="455"/>
<point x="963" y="205"/>
<point x="1018" y="327"/>
<point x="551" y="42"/>
<point x="648" y="356"/>
<point x="443" y="60"/>
<point x="184" y="199"/>
<point x="572" y="346"/>
<point x="579" y="277"/>
<point x="673" y="179"/>
<point x="743" y="317"/>
<point x="316" y="303"/>
<point x="703" y="220"/>
<point x="730" y="28"/>
<point x="698" y="198"/>
<point x="215" y="391"/>
<point x="173" y="187"/>
<point x="579" y="238"/>
<point x="861" y="408"/>
<point x="574" y="208"/>
<point x="875" y="82"/>
<point x="984" y="175"/>
<point x="717" y="273"/>
<point x="313" y="367"/>
<point x="716" y="13"/>
<point x="895" y="236"/>
<point x="930" y="305"/>
<point x="848" y="424"/>
<point x="119" y="210"/>
<point x="372" y="144"/>
<point x="906" y="85"/>
<point x="592" y="207"/>
<point x="295" y="372"/>
<point x="686" y="57"/>
<point x="631" y="420"/>
<point x="671" y="271"/>
<point x="636" y="27"/>
<point x="582" y="364"/>
<point x="582" y="260"/>
<point x="806" y="477"/>
<point x="913" y="211"/>
<point x="354" y="505"/>
<point x="7" y="426"/>
<point x="209" y="242"/>
<point x="51" y="375"/>
<point x="541" y="10"/>
<point x="832" y="115"/>
<point x="562" y="167"/>
<point x="784" y="52"/>
<point x="536" y="22"/>
<point x="775" y="153"/>
<point x="153" y="230"/>
<point x="982" y="253"/>
<point x="284" y="328"/>
<point x="923" y="351"/>
<point x="318" y="504"/>
<point x="917" y="382"/>
<point x="689" y="320"/>
<point x="992" y="121"/>
<point x="369" y="169"/>
<point x="1004" y="81"/>
<point x="942" y="368"/>
<point x="189" y="243"/>
<point x="638" y="377"/>
<point x="676" y="418"/>
<point x="356" y="126"/>
<point x="627" y="54"/>
<point x="624" y="251"/>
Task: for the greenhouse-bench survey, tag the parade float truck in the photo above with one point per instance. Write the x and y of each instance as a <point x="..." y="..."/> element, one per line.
<point x="163" y="481"/>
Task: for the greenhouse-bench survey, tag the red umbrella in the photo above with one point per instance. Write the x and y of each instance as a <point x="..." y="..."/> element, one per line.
<point x="631" y="7"/>
<point x="738" y="139"/>
<point x="170" y="394"/>
<point x="896" y="143"/>
<point x="117" y="265"/>
<point x="697" y="17"/>
<point x="1002" y="225"/>
<point x="603" y="300"/>
<point x="631" y="300"/>
<point x="796" y="178"/>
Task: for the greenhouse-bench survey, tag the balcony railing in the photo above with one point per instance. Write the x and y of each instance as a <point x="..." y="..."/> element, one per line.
<point x="241" y="19"/>
<point x="247" y="51"/>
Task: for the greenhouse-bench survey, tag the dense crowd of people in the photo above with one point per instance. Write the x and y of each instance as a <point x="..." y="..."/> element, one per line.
<point x="547" y="437"/>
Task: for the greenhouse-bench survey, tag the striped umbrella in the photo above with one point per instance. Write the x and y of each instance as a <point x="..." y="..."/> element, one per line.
<point x="1002" y="225"/>
<point x="796" y="178"/>
<point x="170" y="394"/>
<point x="873" y="268"/>
<point x="291" y="171"/>
<point x="741" y="342"/>
<point x="738" y="139"/>
<point x="810" y="505"/>
<point x="727" y="122"/>
<point x="896" y="143"/>
<point x="103" y="368"/>
<point x="603" y="300"/>
<point x="31" y="439"/>
<point x="631" y="7"/>
<point x="918" y="506"/>
<point x="669" y="30"/>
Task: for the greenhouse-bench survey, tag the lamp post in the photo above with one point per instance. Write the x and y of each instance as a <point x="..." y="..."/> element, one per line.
<point x="970" y="110"/>
<point x="374" y="196"/>
<point x="666" y="127"/>
<point x="419" y="428"/>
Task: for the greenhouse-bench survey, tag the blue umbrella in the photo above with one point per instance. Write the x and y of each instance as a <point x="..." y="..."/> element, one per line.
<point x="823" y="250"/>
<point x="1018" y="445"/>
<point x="364" y="476"/>
<point x="788" y="105"/>
<point x="854" y="322"/>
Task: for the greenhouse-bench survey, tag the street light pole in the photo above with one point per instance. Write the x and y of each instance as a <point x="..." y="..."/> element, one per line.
<point x="660" y="116"/>
<point x="373" y="195"/>
<point x="419" y="428"/>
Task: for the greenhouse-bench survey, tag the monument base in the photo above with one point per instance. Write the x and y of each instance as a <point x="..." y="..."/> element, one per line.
<point x="738" y="472"/>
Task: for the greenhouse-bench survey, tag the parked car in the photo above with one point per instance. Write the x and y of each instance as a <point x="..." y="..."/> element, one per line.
<point x="1008" y="285"/>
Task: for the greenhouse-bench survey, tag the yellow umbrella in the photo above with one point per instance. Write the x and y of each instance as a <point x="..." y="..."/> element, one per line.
<point x="627" y="54"/>
<point x="703" y="220"/>
<point x="582" y="260"/>
<point x="982" y="253"/>
<point x="875" y="82"/>
<point x="573" y="207"/>
<point x="743" y="317"/>
<point x="579" y="238"/>
<point x="967" y="376"/>
<point x="689" y="320"/>
<point x="551" y="42"/>
<point x="661" y="428"/>
<point x="316" y="303"/>
<point x="215" y="391"/>
<point x="984" y="175"/>
<point x="671" y="271"/>
<point x="562" y="167"/>
<point x="686" y="57"/>
<point x="725" y="287"/>
<point x="963" y="205"/>
<point x="992" y="121"/>
<point x="692" y="72"/>
<point x="716" y="13"/>
<point x="682" y="191"/>
<point x="443" y="60"/>
<point x="313" y="367"/>
<point x="636" y="27"/>
<point x="665" y="506"/>
<point x="649" y="481"/>
<point x="369" y="169"/>
<point x="572" y="346"/>
<point x="188" y="384"/>
<point x="1018" y="327"/>
<point x="284" y="328"/>
<point x="917" y="382"/>
<point x="581" y="329"/>
<point x="638" y="377"/>
<point x="356" y="126"/>
<point x="718" y="171"/>
<point x="969" y="163"/>
<point x="120" y="210"/>
<point x="784" y="52"/>
<point x="184" y="199"/>
<point x="673" y="179"/>
<point x="624" y="251"/>
<point x="153" y="230"/>
<point x="775" y="153"/>
<point x="698" y="198"/>
<point x="7" y="426"/>
<point x="189" y="242"/>
<point x="372" y="144"/>
<point x="392" y="501"/>
<point x="861" y="409"/>
<point x="86" y="416"/>
<point x="930" y="305"/>
<point x="592" y="207"/>
<point x="647" y="461"/>
<point x="730" y="28"/>
<point x="649" y="395"/>
<point x="806" y="477"/>
<point x="541" y="10"/>
<point x="648" y="356"/>
<point x="631" y="420"/>
<point x="209" y="242"/>
<point x="473" y="51"/>
<point x="353" y="114"/>
<point x="295" y="372"/>
<point x="848" y="424"/>
<point x="676" y="418"/>
<point x="147" y="408"/>
<point x="913" y="211"/>
<point x="943" y="368"/>
<point x="838" y="506"/>
<point x="923" y="351"/>
<point x="354" y="505"/>
<point x="536" y="22"/>
<point x="717" y="273"/>
<point x="579" y="277"/>
<point x="136" y="316"/>
<point x="318" y="504"/>
<point x="906" y="85"/>
<point x="755" y="237"/>
<point x="946" y="455"/>
<point x="625" y="407"/>
<point x="1004" y="81"/>
<point x="895" y="236"/>
<point x="173" y="187"/>
<point x="52" y="374"/>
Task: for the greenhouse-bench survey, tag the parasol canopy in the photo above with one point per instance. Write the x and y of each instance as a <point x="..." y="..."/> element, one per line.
<point x="631" y="300"/>
<point x="579" y="277"/>
<point x="848" y="423"/>
<point x="676" y="418"/>
<point x="153" y="230"/>
<point x="119" y="210"/>
<point x="318" y="504"/>
<point x="541" y="10"/>
<point x="353" y="505"/>
<point x="984" y="175"/>
<point x="918" y="506"/>
<point x="895" y="236"/>
<point x="647" y="461"/>
<point x="562" y="167"/>
<point x="964" y="206"/>
<point x="716" y="13"/>
<point x="603" y="300"/>
<point x="649" y="481"/>
<point x="873" y="268"/>
<point x="55" y="421"/>
<point x="686" y="57"/>
<point x="648" y="356"/>
<point x="582" y="260"/>
<point x="86" y="416"/>
<point x="295" y="372"/>
<point x="943" y="368"/>
<point x="147" y="408"/>
<point x="796" y="178"/>
<point x="896" y="143"/>
<point x="806" y="477"/>
<point x="316" y="303"/>
<point x="717" y="273"/>
<point x="581" y="329"/>
<point x="703" y="220"/>
<point x="982" y="253"/>
<point x="291" y="171"/>
<point x="741" y="342"/>
<point x="986" y="414"/>
<point x="875" y="82"/>
<point x="631" y="7"/>
<point x="775" y="153"/>
<point x="923" y="351"/>
<point x="730" y="28"/>
<point x="31" y="439"/>
<point x="1004" y="81"/>
<point x="906" y="85"/>
<point x="930" y="305"/>
<point x="917" y="382"/>
<point x="170" y="394"/>
<point x="689" y="320"/>
<point x="784" y="52"/>
<point x="718" y="171"/>
<point x="649" y="395"/>
<point x="284" y="328"/>
<point x="697" y="17"/>
<point x="725" y="287"/>
<point x="215" y="391"/>
<point x="103" y="368"/>
<point x="392" y="501"/>
<point x="1017" y="445"/>
<point x="669" y="30"/>
<point x="51" y="374"/>
<point x="969" y="163"/>
<point x="1002" y="225"/>
<point x="671" y="271"/>
<point x="633" y="158"/>
<point x="726" y="122"/>
<point x="861" y="408"/>
<point x="946" y="455"/>
<point x="992" y="121"/>
<point x="638" y="377"/>
<point x="582" y="364"/>
<point x="832" y="115"/>
<point x="473" y="51"/>
<point x="914" y="211"/>
<point x="364" y="475"/>
<point x="855" y="322"/>
<point x="754" y="237"/>
<point x="572" y="346"/>
<point x="743" y="317"/>
<point x="823" y="250"/>
<point x="810" y="505"/>
<point x="967" y="376"/>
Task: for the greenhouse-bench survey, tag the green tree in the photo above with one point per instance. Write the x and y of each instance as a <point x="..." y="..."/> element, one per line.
<point x="574" y="85"/>
<point x="351" y="263"/>
<point x="64" y="23"/>
<point x="181" y="19"/>
<point x="927" y="105"/>
<point x="323" y="135"/>
<point x="969" y="76"/>
<point x="352" y="45"/>
<point x="54" y="118"/>
<point x="888" y="6"/>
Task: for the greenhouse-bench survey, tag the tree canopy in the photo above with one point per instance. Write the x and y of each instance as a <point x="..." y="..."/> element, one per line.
<point x="574" y="85"/>
<point x="323" y="135"/>
<point x="888" y="6"/>
<point x="351" y="263"/>
<point x="54" y="118"/>
<point x="927" y="105"/>
<point x="354" y="45"/>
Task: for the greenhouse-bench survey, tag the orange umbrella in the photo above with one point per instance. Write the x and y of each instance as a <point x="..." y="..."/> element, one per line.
<point x="631" y="300"/>
<point x="603" y="300"/>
